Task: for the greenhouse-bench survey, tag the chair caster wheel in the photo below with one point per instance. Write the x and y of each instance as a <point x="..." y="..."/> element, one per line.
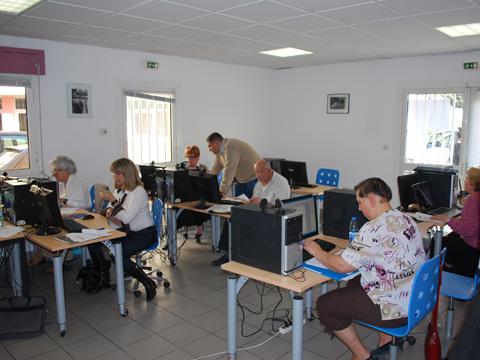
<point x="62" y="333"/>
<point x="310" y="318"/>
<point x="125" y="313"/>
<point x="159" y="274"/>
<point x="166" y="284"/>
<point x="411" y="340"/>
<point x="137" y="293"/>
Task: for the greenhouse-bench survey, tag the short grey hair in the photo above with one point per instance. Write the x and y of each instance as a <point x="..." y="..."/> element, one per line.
<point x="63" y="163"/>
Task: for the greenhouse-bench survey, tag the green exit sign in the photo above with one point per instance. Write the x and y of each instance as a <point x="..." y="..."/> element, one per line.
<point x="152" y="65"/>
<point x="470" y="65"/>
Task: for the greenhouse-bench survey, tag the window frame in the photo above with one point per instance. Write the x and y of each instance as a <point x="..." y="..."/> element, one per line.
<point x="174" y="123"/>
<point x="404" y="166"/>
<point x="34" y="126"/>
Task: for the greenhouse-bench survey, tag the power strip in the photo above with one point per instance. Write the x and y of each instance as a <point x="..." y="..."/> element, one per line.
<point x="286" y="329"/>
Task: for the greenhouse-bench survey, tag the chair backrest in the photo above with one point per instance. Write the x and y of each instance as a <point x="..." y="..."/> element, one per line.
<point x="157" y="212"/>
<point x="424" y="290"/>
<point x="92" y="198"/>
<point x="328" y="177"/>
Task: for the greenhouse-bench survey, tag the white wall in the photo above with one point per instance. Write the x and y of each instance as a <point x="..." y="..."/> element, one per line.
<point x="355" y="143"/>
<point x="234" y="100"/>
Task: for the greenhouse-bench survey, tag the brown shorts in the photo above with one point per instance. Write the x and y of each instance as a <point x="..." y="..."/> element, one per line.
<point x="338" y="308"/>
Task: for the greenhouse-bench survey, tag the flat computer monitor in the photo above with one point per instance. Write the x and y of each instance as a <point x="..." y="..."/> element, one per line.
<point x="294" y="171"/>
<point x="423" y="195"/>
<point x="205" y="187"/>
<point x="307" y="206"/>
<point x="49" y="218"/>
<point x="405" y="191"/>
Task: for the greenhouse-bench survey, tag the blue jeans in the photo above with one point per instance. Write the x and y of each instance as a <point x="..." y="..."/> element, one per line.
<point x="245" y="188"/>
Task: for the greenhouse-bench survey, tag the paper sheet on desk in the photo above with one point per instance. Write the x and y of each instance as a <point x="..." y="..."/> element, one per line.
<point x="9" y="230"/>
<point x="80" y="237"/>
<point x="69" y="210"/>
<point x="315" y="265"/>
<point x="242" y="198"/>
<point x="220" y="209"/>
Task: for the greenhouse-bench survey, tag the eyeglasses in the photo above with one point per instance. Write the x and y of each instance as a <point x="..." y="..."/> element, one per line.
<point x="57" y="170"/>
<point x="190" y="156"/>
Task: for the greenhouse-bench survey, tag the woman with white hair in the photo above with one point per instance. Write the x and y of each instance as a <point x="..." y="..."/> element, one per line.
<point x="72" y="191"/>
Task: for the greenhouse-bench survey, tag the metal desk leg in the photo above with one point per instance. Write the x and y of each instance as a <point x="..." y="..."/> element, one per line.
<point x="324" y="288"/>
<point x="309" y="304"/>
<point x="437" y="241"/>
<point x="17" y="270"/>
<point x="172" y="235"/>
<point x="232" y="318"/>
<point x="84" y="255"/>
<point x="59" y="291"/>
<point x="120" y="278"/>
<point x="297" y="334"/>
<point x="215" y="231"/>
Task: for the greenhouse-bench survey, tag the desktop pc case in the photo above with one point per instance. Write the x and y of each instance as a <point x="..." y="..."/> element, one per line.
<point x="339" y="205"/>
<point x="20" y="203"/>
<point x="268" y="239"/>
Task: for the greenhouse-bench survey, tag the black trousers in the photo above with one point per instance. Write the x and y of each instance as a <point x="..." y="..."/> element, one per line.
<point x="133" y="243"/>
<point x="461" y="259"/>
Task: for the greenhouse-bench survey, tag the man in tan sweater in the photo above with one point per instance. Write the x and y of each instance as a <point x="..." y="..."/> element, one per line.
<point x="236" y="158"/>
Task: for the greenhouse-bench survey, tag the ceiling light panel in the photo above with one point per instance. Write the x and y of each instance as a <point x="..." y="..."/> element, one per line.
<point x="16" y="6"/>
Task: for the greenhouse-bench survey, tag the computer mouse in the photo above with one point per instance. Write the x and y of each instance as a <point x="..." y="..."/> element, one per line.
<point x="88" y="217"/>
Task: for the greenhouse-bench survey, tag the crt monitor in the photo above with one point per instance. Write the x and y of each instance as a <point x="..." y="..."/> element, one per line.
<point x="423" y="195"/>
<point x="307" y="206"/>
<point x="49" y="218"/>
<point x="148" y="174"/>
<point x="205" y="187"/>
<point x="294" y="171"/>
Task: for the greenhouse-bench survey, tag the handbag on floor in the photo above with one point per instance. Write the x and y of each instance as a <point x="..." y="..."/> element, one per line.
<point x="22" y="316"/>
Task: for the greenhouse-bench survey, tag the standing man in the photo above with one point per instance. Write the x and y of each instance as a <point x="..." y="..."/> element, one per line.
<point x="236" y="158"/>
<point x="271" y="186"/>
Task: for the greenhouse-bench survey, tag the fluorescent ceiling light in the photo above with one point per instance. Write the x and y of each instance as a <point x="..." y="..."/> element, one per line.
<point x="286" y="52"/>
<point x="16" y="6"/>
<point x="461" y="30"/>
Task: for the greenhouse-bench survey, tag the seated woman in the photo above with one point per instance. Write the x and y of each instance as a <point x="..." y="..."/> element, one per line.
<point x="72" y="191"/>
<point x="463" y="244"/>
<point x="188" y="218"/>
<point x="128" y="209"/>
<point x="387" y="252"/>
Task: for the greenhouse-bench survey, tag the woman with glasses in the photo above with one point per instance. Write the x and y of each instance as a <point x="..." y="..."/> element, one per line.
<point x="190" y="218"/>
<point x="72" y="191"/>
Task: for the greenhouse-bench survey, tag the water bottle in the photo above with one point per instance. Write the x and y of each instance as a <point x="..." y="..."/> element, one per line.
<point x="353" y="229"/>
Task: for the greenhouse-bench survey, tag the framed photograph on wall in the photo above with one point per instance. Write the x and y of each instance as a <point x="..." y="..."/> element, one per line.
<point x="338" y="103"/>
<point x="79" y="100"/>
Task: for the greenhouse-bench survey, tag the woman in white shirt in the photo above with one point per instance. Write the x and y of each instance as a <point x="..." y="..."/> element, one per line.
<point x="72" y="191"/>
<point x="129" y="210"/>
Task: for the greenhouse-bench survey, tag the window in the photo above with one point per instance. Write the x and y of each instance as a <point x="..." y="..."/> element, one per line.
<point x="149" y="118"/>
<point x="442" y="128"/>
<point x="20" y="103"/>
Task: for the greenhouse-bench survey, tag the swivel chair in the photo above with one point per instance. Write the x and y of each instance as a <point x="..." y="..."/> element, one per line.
<point x="329" y="177"/>
<point x="141" y="258"/>
<point x="459" y="287"/>
<point x="423" y="297"/>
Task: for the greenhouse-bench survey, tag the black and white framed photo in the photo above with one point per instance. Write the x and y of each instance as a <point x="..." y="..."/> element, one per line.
<point x="338" y="103"/>
<point x="79" y="100"/>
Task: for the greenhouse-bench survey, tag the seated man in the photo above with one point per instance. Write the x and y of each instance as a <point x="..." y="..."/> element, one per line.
<point x="387" y="252"/>
<point x="270" y="186"/>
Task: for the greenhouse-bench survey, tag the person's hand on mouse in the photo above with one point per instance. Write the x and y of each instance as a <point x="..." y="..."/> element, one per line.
<point x="106" y="195"/>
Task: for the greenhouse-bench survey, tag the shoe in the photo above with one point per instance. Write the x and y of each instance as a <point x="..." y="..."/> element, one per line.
<point x="221" y="260"/>
<point x="372" y="357"/>
<point x="149" y="285"/>
<point x="198" y="238"/>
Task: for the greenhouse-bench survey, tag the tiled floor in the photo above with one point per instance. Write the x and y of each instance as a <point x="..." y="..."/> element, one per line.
<point x="185" y="322"/>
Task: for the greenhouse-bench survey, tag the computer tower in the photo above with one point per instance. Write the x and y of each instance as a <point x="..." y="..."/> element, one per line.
<point x="173" y="185"/>
<point x="268" y="239"/>
<point x="339" y="205"/>
<point x="20" y="203"/>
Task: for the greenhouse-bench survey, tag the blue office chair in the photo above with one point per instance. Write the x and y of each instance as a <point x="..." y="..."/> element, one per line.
<point x="459" y="287"/>
<point x="92" y="198"/>
<point x="422" y="301"/>
<point x="329" y="177"/>
<point x="141" y="258"/>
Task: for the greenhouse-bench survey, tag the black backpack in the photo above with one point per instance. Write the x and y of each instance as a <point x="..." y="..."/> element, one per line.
<point x="92" y="280"/>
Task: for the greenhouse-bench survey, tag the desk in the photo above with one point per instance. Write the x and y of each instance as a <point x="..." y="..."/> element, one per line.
<point x="59" y="250"/>
<point x="15" y="262"/>
<point x="173" y="210"/>
<point x="285" y="282"/>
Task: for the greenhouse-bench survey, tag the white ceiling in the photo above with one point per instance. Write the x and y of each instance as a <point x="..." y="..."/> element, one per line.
<point x="234" y="31"/>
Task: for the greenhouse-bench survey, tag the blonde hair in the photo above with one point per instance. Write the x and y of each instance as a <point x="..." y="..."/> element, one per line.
<point x="129" y="170"/>
<point x="473" y="175"/>
<point x="192" y="150"/>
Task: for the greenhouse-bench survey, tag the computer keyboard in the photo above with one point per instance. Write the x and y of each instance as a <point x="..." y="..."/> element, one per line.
<point x="325" y="245"/>
<point x="72" y="226"/>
